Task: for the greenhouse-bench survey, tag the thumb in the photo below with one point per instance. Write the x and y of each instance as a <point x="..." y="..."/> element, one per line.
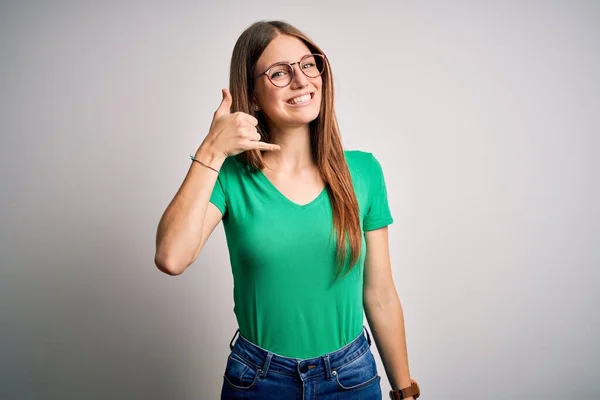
<point x="224" y="107"/>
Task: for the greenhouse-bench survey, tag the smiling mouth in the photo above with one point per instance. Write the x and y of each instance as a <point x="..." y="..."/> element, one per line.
<point x="301" y="100"/>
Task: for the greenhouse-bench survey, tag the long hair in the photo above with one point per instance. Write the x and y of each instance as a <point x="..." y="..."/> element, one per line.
<point x="326" y="145"/>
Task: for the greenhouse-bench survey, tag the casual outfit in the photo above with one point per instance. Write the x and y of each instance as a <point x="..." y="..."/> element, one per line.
<point x="255" y="373"/>
<point x="287" y="301"/>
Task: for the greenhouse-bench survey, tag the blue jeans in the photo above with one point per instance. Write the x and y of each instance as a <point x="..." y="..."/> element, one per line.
<point x="255" y="373"/>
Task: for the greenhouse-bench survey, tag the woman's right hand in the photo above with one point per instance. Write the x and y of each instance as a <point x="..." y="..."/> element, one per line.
<point x="231" y="134"/>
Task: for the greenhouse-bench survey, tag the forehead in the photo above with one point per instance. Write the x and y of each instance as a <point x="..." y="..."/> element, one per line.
<point x="283" y="48"/>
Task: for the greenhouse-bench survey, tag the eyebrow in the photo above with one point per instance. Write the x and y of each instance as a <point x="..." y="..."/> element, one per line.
<point x="278" y="62"/>
<point x="288" y="62"/>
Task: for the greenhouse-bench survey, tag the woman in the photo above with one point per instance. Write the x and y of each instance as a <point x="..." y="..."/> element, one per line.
<point x="306" y="227"/>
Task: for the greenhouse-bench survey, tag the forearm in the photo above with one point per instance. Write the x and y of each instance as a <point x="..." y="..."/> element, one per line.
<point x="386" y="320"/>
<point x="180" y="228"/>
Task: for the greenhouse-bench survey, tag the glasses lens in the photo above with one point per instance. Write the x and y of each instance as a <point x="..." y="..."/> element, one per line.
<point x="280" y="75"/>
<point x="312" y="65"/>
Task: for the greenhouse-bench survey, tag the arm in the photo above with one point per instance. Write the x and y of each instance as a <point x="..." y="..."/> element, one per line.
<point x="383" y="309"/>
<point x="188" y="220"/>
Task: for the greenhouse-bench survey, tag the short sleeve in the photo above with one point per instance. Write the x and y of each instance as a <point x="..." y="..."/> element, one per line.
<point x="378" y="212"/>
<point x="218" y="197"/>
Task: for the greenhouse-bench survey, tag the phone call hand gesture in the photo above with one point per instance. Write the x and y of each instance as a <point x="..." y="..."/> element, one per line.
<point x="231" y="134"/>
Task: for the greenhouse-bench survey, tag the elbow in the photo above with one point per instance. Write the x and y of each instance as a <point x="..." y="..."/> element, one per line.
<point x="380" y="298"/>
<point x="168" y="266"/>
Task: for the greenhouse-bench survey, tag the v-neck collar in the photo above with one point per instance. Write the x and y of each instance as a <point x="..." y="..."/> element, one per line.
<point x="286" y="199"/>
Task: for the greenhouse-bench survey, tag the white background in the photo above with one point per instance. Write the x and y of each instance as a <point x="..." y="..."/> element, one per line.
<point x="484" y="116"/>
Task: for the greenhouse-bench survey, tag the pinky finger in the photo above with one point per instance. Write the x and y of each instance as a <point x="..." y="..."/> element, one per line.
<point x="267" y="146"/>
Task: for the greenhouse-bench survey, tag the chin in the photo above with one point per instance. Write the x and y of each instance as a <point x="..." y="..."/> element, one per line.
<point x="297" y="118"/>
<point x="308" y="114"/>
<point x="304" y="119"/>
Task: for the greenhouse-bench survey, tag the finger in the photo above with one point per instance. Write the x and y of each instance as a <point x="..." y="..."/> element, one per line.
<point x="250" y="119"/>
<point x="255" y="136"/>
<point x="251" y="134"/>
<point x="225" y="106"/>
<point x="267" y="146"/>
<point x="247" y="127"/>
<point x="249" y="131"/>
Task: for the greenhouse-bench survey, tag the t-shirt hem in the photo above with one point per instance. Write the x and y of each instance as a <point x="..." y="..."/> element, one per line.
<point x="378" y="224"/>
<point x="219" y="206"/>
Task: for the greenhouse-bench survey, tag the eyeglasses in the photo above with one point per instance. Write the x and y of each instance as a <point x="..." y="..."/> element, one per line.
<point x="282" y="74"/>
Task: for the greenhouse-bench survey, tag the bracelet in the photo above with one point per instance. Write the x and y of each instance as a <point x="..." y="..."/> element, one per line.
<point x="207" y="166"/>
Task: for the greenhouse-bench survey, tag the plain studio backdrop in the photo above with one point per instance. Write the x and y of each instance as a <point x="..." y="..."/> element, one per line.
<point x="484" y="116"/>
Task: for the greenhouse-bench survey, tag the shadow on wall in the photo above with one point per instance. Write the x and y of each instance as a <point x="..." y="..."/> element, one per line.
<point x="90" y="316"/>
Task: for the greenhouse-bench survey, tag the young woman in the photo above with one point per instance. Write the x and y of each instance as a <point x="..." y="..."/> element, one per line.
<point x="306" y="227"/>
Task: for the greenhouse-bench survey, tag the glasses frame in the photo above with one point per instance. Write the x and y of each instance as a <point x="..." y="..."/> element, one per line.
<point x="291" y="65"/>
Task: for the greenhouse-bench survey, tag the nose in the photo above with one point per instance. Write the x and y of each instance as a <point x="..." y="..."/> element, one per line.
<point x="300" y="80"/>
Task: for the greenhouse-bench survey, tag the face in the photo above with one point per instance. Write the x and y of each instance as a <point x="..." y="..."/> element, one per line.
<point x="274" y="102"/>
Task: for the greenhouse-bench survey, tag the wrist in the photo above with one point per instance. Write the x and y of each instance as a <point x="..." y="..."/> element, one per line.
<point x="410" y="392"/>
<point x="210" y="156"/>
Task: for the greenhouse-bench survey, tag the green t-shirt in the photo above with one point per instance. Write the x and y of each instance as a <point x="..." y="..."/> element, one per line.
<point x="283" y="261"/>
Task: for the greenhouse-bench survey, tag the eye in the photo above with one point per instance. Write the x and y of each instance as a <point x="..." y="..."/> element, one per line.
<point x="279" y="71"/>
<point x="278" y="74"/>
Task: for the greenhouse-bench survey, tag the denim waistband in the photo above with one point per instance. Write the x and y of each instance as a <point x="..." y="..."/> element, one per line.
<point x="266" y="361"/>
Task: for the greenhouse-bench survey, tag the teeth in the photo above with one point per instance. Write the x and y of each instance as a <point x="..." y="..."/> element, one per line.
<point x="300" y="99"/>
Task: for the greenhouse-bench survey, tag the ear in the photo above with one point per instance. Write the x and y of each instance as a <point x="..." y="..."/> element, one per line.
<point x="254" y="105"/>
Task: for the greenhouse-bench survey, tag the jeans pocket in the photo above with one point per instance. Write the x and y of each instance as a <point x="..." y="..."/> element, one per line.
<point x="358" y="373"/>
<point x="240" y="374"/>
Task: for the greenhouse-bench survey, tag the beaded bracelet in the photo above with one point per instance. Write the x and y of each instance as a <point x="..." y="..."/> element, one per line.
<point x="207" y="166"/>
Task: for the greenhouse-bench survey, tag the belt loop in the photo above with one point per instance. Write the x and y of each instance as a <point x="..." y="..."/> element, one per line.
<point x="265" y="367"/>
<point x="327" y="367"/>
<point x="368" y="337"/>
<point x="231" y="343"/>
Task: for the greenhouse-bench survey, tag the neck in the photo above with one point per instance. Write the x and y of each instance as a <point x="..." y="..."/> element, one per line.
<point x="295" y="151"/>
